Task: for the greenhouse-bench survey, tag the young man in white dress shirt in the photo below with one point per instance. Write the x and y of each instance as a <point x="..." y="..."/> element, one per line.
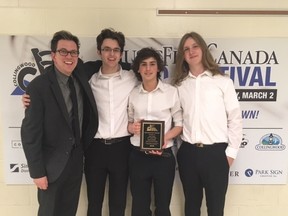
<point x="156" y="101"/>
<point x="107" y="156"/>
<point x="212" y="127"/>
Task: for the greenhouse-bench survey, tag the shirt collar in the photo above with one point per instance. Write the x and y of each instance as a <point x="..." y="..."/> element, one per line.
<point x="205" y="73"/>
<point x="160" y="86"/>
<point x="61" y="77"/>
<point x="118" y="73"/>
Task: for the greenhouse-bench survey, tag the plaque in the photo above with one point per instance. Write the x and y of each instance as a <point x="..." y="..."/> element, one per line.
<point x="151" y="135"/>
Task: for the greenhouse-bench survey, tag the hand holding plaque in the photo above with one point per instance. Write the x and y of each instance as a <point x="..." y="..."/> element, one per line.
<point x="151" y="135"/>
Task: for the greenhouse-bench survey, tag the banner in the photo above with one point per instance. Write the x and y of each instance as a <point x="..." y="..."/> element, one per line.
<point x="257" y="67"/>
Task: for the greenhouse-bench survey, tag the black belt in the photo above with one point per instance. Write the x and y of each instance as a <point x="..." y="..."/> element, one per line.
<point x="201" y="145"/>
<point x="112" y="140"/>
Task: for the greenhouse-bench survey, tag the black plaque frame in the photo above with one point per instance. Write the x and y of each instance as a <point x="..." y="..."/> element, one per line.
<point x="152" y="135"/>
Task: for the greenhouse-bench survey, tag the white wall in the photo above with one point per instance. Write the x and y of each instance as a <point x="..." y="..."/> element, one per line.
<point x="139" y="19"/>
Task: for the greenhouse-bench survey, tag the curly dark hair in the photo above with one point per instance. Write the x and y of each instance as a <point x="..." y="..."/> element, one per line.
<point x="146" y="53"/>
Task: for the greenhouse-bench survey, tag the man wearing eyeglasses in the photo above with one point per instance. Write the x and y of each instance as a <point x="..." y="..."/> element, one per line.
<point x="107" y="156"/>
<point x="59" y="124"/>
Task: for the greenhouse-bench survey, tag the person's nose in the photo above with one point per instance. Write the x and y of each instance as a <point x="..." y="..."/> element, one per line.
<point x="191" y="50"/>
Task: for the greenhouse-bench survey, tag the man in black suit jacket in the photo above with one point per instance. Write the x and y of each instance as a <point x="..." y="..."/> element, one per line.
<point x="53" y="152"/>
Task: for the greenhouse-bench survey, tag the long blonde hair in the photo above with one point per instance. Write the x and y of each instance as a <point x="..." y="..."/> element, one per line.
<point x="182" y="67"/>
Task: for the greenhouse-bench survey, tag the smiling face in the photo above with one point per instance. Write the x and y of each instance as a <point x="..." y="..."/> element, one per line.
<point x="192" y="53"/>
<point x="65" y="64"/>
<point x="148" y="69"/>
<point x="110" y="54"/>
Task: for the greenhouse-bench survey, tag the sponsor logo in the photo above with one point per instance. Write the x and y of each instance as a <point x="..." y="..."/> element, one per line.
<point x="268" y="173"/>
<point x="16" y="144"/>
<point x="29" y="68"/>
<point x="249" y="172"/>
<point x="244" y="141"/>
<point x="19" y="168"/>
<point x="14" y="168"/>
<point x="271" y="173"/>
<point x="270" y="142"/>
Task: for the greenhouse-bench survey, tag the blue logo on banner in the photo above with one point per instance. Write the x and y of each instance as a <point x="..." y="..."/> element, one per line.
<point x="270" y="142"/>
<point x="249" y="172"/>
<point x="29" y="68"/>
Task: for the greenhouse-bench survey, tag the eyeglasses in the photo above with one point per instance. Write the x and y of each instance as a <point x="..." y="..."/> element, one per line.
<point x="64" y="52"/>
<point x="109" y="50"/>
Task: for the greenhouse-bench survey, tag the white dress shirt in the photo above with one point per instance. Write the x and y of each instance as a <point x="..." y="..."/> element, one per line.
<point x="161" y="104"/>
<point x="111" y="95"/>
<point x="211" y="111"/>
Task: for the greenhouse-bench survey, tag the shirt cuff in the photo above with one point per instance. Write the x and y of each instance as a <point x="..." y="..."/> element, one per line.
<point x="231" y="152"/>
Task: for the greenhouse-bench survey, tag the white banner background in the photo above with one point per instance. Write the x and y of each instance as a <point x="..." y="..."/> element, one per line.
<point x="257" y="66"/>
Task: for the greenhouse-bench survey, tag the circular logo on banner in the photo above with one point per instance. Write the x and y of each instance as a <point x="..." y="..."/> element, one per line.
<point x="249" y="172"/>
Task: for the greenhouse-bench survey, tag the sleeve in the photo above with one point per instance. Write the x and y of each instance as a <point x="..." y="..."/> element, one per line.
<point x="176" y="110"/>
<point x="32" y="134"/>
<point x="130" y="109"/>
<point x="234" y="120"/>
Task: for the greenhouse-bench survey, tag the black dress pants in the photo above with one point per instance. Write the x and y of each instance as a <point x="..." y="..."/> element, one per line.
<point x="203" y="168"/>
<point x="62" y="196"/>
<point x="145" y="171"/>
<point x="102" y="161"/>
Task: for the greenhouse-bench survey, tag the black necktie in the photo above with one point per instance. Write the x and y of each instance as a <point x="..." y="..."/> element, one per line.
<point x="75" y="117"/>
